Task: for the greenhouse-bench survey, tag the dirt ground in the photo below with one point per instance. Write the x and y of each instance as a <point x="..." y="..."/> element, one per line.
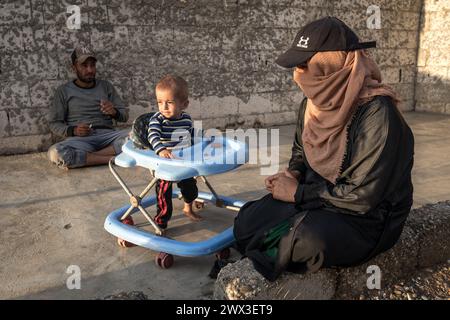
<point x="51" y="219"/>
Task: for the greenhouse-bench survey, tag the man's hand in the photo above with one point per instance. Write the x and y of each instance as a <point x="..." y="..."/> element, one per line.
<point x="166" y="154"/>
<point x="82" y="130"/>
<point x="107" y="108"/>
<point x="269" y="180"/>
<point x="284" y="188"/>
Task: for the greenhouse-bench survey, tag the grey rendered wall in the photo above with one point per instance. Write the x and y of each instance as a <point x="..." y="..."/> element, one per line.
<point x="433" y="71"/>
<point x="225" y="49"/>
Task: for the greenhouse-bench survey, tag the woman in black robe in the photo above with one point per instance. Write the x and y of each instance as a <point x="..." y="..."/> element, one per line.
<point x="348" y="191"/>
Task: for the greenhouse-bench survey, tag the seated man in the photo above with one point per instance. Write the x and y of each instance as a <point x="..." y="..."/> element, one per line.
<point x="83" y="111"/>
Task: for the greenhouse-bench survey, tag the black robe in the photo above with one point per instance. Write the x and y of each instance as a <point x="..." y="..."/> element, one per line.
<point x="342" y="224"/>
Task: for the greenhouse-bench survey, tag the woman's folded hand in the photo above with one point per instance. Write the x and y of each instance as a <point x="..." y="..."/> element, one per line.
<point x="287" y="173"/>
<point x="269" y="180"/>
<point x="283" y="187"/>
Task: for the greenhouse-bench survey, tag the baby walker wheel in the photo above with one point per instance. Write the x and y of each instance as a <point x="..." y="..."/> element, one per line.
<point x="122" y="243"/>
<point x="223" y="254"/>
<point x="164" y="260"/>
<point x="198" y="205"/>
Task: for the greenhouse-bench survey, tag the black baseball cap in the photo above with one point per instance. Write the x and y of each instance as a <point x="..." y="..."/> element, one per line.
<point x="326" y="34"/>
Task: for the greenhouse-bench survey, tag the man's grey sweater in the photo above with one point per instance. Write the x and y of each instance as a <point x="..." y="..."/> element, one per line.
<point x="73" y="105"/>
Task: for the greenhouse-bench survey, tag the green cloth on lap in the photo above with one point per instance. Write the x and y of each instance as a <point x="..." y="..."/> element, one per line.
<point x="270" y="244"/>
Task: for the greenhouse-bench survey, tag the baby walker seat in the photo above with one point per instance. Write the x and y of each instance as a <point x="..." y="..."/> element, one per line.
<point x="205" y="157"/>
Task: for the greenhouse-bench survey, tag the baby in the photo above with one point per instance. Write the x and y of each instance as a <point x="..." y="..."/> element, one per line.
<point x="172" y="98"/>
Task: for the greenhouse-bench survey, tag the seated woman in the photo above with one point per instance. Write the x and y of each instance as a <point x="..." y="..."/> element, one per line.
<point x="348" y="190"/>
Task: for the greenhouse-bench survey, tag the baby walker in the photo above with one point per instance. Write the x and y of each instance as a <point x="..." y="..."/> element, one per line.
<point x="205" y="157"/>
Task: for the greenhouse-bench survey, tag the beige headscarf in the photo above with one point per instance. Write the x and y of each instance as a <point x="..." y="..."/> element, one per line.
<point x="335" y="83"/>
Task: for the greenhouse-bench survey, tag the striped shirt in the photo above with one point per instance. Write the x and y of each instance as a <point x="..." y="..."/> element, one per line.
<point x="168" y="134"/>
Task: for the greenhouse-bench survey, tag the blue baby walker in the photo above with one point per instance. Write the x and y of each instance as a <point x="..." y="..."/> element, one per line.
<point x="205" y="157"/>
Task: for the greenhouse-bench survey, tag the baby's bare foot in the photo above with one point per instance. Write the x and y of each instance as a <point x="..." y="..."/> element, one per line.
<point x="192" y="215"/>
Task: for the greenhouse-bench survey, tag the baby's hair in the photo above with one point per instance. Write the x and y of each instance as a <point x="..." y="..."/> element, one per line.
<point x="177" y="84"/>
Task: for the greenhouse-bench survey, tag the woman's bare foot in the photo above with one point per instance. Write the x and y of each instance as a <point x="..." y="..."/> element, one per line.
<point x="187" y="210"/>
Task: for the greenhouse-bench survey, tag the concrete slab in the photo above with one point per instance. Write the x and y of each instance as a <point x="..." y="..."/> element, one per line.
<point x="51" y="219"/>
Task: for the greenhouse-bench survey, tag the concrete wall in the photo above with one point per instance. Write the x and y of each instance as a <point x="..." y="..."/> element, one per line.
<point x="224" y="48"/>
<point x="433" y="64"/>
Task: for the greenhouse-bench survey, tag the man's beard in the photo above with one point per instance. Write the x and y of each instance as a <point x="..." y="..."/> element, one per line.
<point x="86" y="80"/>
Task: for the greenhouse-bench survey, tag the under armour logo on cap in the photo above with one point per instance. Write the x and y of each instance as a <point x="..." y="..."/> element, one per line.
<point x="303" y="43"/>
